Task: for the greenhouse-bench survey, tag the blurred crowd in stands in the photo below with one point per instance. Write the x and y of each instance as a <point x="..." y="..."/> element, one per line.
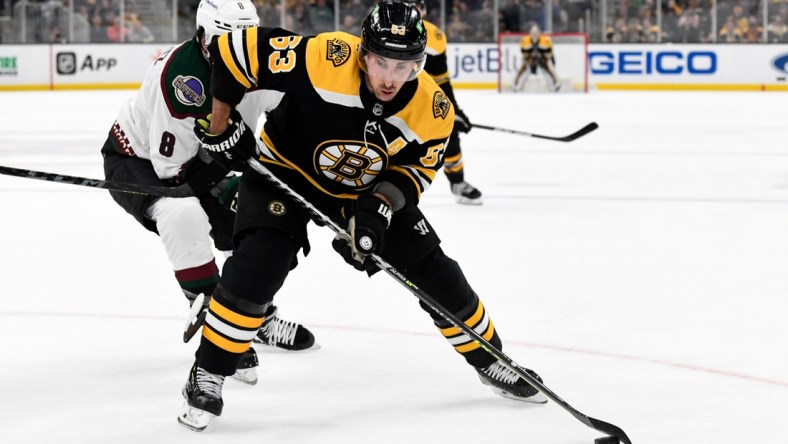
<point x="699" y="21"/>
<point x="614" y="21"/>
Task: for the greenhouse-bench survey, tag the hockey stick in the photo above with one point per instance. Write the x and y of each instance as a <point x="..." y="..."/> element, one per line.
<point x="507" y="362"/>
<point x="197" y="315"/>
<point x="575" y="135"/>
<point x="179" y="191"/>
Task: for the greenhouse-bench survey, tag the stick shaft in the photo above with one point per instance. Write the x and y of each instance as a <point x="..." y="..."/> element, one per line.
<point x="596" y="424"/>
<point x="179" y="191"/>
<point x="568" y="138"/>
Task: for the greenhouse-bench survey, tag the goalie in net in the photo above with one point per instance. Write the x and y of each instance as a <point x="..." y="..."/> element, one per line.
<point x="537" y="51"/>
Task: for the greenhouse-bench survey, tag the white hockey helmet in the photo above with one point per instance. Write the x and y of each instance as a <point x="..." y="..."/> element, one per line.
<point x="219" y="17"/>
<point x="535" y="32"/>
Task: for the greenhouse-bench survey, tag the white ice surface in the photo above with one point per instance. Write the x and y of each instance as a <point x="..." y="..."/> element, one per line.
<point x="641" y="270"/>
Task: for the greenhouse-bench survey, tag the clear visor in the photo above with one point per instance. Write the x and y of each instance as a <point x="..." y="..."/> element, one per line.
<point x="390" y="69"/>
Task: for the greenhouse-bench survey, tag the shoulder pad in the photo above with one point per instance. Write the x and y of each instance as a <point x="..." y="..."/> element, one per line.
<point x="430" y="114"/>
<point x="329" y="52"/>
<point x="436" y="39"/>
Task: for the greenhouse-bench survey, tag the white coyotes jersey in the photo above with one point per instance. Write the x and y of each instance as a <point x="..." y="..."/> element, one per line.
<point x="158" y="123"/>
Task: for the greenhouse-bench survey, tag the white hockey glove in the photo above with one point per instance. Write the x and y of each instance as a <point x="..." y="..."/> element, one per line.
<point x="366" y="229"/>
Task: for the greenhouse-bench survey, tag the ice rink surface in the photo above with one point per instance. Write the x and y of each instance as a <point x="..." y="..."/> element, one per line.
<point x="641" y="270"/>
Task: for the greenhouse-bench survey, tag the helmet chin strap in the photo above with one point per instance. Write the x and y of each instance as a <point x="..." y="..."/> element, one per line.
<point x="203" y="47"/>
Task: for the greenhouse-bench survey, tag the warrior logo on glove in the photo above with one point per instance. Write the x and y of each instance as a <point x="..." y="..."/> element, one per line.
<point x="385" y="211"/>
<point x="233" y="146"/>
<point x="229" y="143"/>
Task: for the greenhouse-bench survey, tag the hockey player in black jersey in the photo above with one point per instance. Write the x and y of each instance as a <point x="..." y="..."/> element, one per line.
<point x="438" y="68"/>
<point x="152" y="142"/>
<point x="360" y="134"/>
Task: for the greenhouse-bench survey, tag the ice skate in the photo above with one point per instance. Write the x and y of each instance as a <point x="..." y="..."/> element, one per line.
<point x="279" y="334"/>
<point x="203" y="394"/>
<point x="509" y="384"/>
<point x="465" y="193"/>
<point x="246" y="371"/>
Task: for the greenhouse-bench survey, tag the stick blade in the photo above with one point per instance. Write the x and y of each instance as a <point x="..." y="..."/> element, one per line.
<point x="581" y="132"/>
<point x="610" y="430"/>
<point x="197" y="315"/>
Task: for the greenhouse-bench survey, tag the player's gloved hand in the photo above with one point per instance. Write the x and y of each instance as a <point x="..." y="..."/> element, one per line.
<point x="342" y="245"/>
<point x="201" y="173"/>
<point x="232" y="147"/>
<point x="461" y="121"/>
<point x="366" y="229"/>
<point x="226" y="191"/>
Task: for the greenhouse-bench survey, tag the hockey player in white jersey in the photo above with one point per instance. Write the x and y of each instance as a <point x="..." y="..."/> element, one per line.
<point x="153" y="142"/>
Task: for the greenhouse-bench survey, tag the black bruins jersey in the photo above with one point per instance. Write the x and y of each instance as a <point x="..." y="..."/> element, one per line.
<point x="329" y="128"/>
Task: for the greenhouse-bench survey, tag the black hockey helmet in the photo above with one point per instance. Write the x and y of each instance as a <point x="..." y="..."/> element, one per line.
<point x="419" y="4"/>
<point x="394" y="31"/>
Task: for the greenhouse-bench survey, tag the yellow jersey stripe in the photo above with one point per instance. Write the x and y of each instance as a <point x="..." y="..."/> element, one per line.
<point x="230" y="316"/>
<point x="452" y="159"/>
<point x="429" y="173"/>
<point x="467" y="347"/>
<point x="251" y="49"/>
<point x="473" y="345"/>
<point x="490" y="332"/>
<point x="454" y="168"/>
<point x="229" y="61"/>
<point x="470" y="322"/>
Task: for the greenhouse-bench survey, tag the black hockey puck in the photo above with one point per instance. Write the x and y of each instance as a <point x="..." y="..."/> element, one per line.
<point x="607" y="440"/>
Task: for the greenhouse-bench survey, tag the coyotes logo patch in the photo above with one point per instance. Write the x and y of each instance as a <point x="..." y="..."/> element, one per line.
<point x="440" y="105"/>
<point x="338" y="52"/>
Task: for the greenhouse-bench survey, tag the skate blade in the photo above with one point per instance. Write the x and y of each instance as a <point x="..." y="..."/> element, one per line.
<point x="268" y="348"/>
<point x="538" y="398"/>
<point x="468" y="201"/>
<point x="194" y="419"/>
<point x="246" y="375"/>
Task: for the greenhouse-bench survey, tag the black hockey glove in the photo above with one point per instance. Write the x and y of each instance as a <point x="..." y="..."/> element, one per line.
<point x="201" y="173"/>
<point x="232" y="147"/>
<point x="366" y="229"/>
<point x="461" y="121"/>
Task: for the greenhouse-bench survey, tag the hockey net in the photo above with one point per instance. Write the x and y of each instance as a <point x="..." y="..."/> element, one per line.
<point x="570" y="51"/>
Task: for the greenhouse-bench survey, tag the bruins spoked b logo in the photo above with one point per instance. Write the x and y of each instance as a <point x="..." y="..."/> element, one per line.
<point x="277" y="208"/>
<point x="351" y="163"/>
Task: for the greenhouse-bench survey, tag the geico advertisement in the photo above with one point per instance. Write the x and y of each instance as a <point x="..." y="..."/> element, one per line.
<point x="745" y="63"/>
<point x="666" y="63"/>
<point x="102" y="64"/>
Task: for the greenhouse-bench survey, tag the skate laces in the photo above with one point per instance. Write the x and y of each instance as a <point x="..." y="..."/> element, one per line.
<point x="209" y="383"/>
<point x="279" y="331"/>
<point x="501" y="373"/>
